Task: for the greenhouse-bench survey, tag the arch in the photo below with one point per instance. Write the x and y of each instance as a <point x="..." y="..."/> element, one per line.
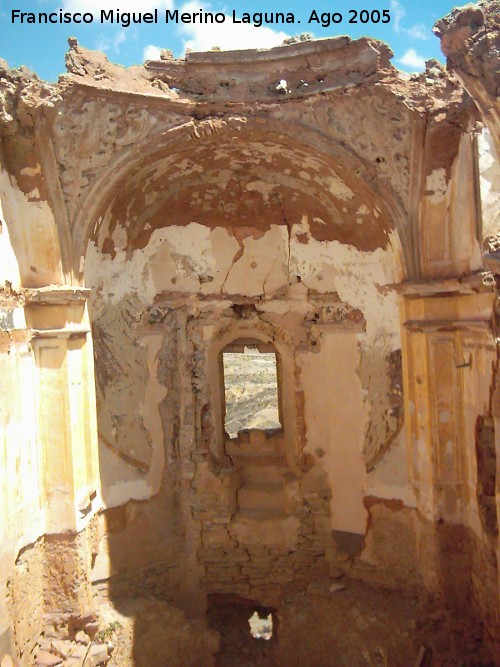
<point x="338" y="180"/>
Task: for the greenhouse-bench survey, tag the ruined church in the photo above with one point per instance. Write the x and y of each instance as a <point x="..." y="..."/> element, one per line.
<point x="249" y="348"/>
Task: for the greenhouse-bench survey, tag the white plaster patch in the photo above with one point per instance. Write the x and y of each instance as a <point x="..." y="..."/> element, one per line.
<point x="436" y="185"/>
<point x="191" y="248"/>
<point x="108" y="275"/>
<point x="339" y="189"/>
<point x="263" y="267"/>
<point x="355" y="275"/>
<point x="264" y="188"/>
<point x="224" y="248"/>
<point x="489" y="169"/>
<point x="18" y="318"/>
<point x="390" y="477"/>
<point x="175" y="258"/>
<point x="142" y="488"/>
<point x="35" y="240"/>
<point x="187" y="167"/>
<point x="9" y="269"/>
<point x="119" y="237"/>
<point x="21" y="518"/>
<point x="30" y="171"/>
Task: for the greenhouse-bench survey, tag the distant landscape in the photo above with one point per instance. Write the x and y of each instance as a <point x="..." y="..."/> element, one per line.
<point x="251" y="389"/>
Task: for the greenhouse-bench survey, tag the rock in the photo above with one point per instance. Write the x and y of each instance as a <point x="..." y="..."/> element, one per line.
<point x="88" y="616"/>
<point x="46" y="659"/>
<point x="82" y="638"/>
<point x="336" y="586"/>
<point x="62" y="647"/>
<point x="52" y="632"/>
<point x="45" y="645"/>
<point x="91" y="628"/>
<point x="79" y="651"/>
<point x="98" y="655"/>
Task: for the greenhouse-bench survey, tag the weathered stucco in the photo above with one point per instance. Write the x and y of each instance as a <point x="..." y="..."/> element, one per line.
<point x="490" y="189"/>
<point x="470" y="39"/>
<point x="152" y="218"/>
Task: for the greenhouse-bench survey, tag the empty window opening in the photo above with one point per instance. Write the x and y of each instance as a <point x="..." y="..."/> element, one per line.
<point x="261" y="627"/>
<point x="250" y="389"/>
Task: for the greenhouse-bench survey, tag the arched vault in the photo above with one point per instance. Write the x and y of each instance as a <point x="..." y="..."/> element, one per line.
<point x="243" y="176"/>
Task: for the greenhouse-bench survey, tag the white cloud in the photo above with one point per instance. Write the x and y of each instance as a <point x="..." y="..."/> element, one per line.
<point x="119" y="39"/>
<point x="95" y="6"/>
<point x="151" y="52"/>
<point x="419" y="31"/>
<point x="110" y="44"/>
<point x="228" y="35"/>
<point x="397" y="14"/>
<point x="103" y="43"/>
<point x="412" y="60"/>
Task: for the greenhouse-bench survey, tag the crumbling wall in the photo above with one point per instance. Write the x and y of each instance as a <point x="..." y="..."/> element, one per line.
<point x="325" y="300"/>
<point x="233" y="210"/>
<point x="470" y="38"/>
<point x="38" y="486"/>
<point x="20" y="475"/>
<point x="20" y="518"/>
<point x="489" y="167"/>
<point x="225" y="204"/>
<point x="27" y="189"/>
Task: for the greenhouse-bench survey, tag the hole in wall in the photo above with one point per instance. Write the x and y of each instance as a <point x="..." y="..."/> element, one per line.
<point x="261" y="626"/>
<point x="233" y="616"/>
<point x="250" y="389"/>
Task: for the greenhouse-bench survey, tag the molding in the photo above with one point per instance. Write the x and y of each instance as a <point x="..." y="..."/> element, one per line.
<point x="474" y="283"/>
<point x="56" y="295"/>
<point x="449" y="326"/>
<point x="74" y="332"/>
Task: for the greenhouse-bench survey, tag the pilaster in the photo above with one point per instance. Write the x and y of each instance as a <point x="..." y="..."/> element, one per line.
<point x="66" y="414"/>
<point x="449" y="350"/>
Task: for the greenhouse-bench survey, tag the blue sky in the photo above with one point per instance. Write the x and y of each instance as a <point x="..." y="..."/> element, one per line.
<point x="42" y="47"/>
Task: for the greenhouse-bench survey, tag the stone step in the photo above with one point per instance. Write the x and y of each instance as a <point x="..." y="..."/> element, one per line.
<point x="261" y="497"/>
<point x="262" y="474"/>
